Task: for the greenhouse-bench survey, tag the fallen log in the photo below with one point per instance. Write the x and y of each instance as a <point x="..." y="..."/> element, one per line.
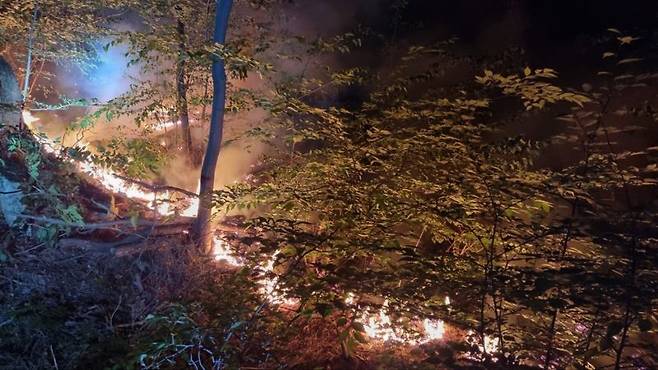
<point x="88" y="246"/>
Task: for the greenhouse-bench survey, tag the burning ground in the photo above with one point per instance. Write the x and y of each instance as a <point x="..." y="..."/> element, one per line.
<point x="110" y="285"/>
<point x="120" y="280"/>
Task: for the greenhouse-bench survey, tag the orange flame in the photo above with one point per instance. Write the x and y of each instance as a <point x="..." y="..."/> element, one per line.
<point x="107" y="177"/>
<point x="377" y="326"/>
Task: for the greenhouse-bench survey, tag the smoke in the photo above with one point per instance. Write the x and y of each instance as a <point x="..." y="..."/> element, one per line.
<point x="109" y="77"/>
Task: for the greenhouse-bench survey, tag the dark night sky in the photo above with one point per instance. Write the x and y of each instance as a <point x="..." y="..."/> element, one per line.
<point x="558" y="33"/>
<point x="545" y="21"/>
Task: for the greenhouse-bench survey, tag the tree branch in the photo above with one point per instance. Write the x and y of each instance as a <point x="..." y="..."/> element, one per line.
<point x="157" y="188"/>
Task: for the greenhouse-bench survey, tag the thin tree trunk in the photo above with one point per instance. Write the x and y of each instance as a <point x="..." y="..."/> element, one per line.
<point x="551" y="336"/>
<point x="207" y="80"/>
<point x="28" y="64"/>
<point x="628" y="320"/>
<point x="203" y="223"/>
<point x="624" y="335"/>
<point x="181" y="90"/>
<point x="590" y="334"/>
<point x="556" y="312"/>
<point x="483" y="302"/>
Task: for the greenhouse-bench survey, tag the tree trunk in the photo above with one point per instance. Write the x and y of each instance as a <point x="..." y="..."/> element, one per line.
<point x="207" y="80"/>
<point x="203" y="227"/>
<point x="181" y="90"/>
<point x="28" y="64"/>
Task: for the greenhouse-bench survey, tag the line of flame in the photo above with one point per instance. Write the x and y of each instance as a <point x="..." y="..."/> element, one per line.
<point x="376" y="326"/>
<point x="106" y="177"/>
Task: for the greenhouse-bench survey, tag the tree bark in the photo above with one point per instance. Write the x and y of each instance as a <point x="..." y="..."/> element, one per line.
<point x="203" y="227"/>
<point x="181" y="90"/>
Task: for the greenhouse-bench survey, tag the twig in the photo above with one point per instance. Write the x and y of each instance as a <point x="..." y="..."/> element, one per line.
<point x="54" y="359"/>
<point x="130" y="324"/>
<point x="30" y="249"/>
<point x="114" y="313"/>
<point x="10" y="192"/>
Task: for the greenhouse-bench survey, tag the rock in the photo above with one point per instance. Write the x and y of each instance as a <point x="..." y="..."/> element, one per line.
<point x="10" y="200"/>
<point x="10" y="96"/>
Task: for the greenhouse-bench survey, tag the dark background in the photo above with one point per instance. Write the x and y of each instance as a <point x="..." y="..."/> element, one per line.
<point x="558" y="33"/>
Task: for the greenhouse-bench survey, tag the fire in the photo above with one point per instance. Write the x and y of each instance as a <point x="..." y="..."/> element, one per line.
<point x="270" y="286"/>
<point x="193" y="208"/>
<point x="164" y="126"/>
<point x="434" y="329"/>
<point x="491" y="344"/>
<point x="28" y="118"/>
<point x="106" y="177"/>
<point x="221" y="252"/>
<point x="378" y="326"/>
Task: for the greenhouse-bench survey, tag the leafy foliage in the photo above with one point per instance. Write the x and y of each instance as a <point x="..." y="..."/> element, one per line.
<point x="417" y="194"/>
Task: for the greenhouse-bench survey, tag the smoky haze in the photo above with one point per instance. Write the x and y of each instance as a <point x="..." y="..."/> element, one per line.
<point x="110" y="76"/>
<point x="553" y="35"/>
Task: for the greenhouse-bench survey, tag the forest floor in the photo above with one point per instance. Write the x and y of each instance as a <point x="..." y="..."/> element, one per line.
<point x="67" y="308"/>
<point x="93" y="298"/>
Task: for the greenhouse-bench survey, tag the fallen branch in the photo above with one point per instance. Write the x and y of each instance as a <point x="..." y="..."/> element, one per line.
<point x="158" y="188"/>
<point x="126" y="251"/>
<point x="230" y="229"/>
<point x="121" y="248"/>
<point x="102" y="225"/>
